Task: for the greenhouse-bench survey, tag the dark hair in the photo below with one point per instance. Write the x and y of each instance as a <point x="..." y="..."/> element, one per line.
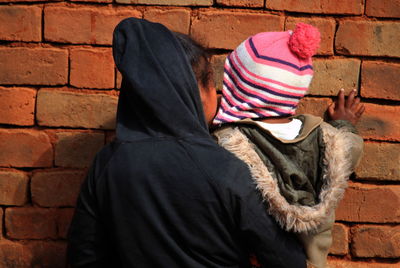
<point x="198" y="58"/>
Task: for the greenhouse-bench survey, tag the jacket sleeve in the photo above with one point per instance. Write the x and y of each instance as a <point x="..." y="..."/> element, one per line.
<point x="86" y="235"/>
<point x="357" y="142"/>
<point x="272" y="246"/>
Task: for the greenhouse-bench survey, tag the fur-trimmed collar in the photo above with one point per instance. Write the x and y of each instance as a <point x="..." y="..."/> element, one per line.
<point x="296" y="218"/>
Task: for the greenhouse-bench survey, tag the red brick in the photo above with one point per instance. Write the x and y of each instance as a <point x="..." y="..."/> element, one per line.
<point x="177" y="20"/>
<point x="33" y="254"/>
<point x="25" y="148"/>
<point x="64" y="218"/>
<point x="380" y="122"/>
<point x="83" y="25"/>
<point x="241" y="3"/>
<point x="93" y="1"/>
<point x="368" y="38"/>
<point x="217" y="63"/>
<point x="376" y="241"/>
<point x="225" y="29"/>
<point x="370" y="203"/>
<point x="168" y="2"/>
<point x="34" y="66"/>
<point x="13" y="188"/>
<point x="326" y="26"/>
<point x="56" y="188"/>
<point x="110" y="136"/>
<point x="77" y="149"/>
<point x="380" y="80"/>
<point x="318" y="6"/>
<point x="30" y="223"/>
<point x="17" y="106"/>
<point x="21" y="23"/>
<point x="340" y="244"/>
<point x="314" y="106"/>
<point x="69" y="109"/>
<point x="16" y="1"/>
<point x="383" y="8"/>
<point x="92" y="68"/>
<point x="381" y="161"/>
<point x="118" y="80"/>
<point x="359" y="264"/>
<point x="330" y="75"/>
<point x="14" y="254"/>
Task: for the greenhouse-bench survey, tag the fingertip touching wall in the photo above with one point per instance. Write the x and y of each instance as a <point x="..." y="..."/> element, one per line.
<point x="59" y="91"/>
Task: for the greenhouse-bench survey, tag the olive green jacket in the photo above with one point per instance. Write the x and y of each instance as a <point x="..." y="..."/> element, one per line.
<point x="302" y="179"/>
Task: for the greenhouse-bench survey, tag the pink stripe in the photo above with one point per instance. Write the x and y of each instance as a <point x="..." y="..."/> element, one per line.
<point x="249" y="100"/>
<point x="240" y="68"/>
<point x="301" y="89"/>
<point x="247" y="89"/>
<point x="275" y="64"/>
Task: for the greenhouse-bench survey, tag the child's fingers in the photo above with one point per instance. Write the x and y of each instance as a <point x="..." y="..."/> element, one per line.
<point x="341" y="101"/>
<point x="350" y="99"/>
<point x="331" y="109"/>
<point x="360" y="110"/>
<point x="355" y="105"/>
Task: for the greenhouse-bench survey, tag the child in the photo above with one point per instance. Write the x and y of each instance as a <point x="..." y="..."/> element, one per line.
<point x="300" y="163"/>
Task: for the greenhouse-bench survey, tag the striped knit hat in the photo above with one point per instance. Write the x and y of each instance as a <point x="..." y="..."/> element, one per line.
<point x="268" y="74"/>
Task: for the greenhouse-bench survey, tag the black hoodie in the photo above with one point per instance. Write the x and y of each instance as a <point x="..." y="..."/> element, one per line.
<point x="164" y="194"/>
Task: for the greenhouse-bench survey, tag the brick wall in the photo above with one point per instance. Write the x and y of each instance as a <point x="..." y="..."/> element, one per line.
<point x="59" y="88"/>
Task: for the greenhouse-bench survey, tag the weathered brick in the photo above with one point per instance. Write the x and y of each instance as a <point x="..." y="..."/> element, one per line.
<point x="370" y="203"/>
<point x="383" y="8"/>
<point x="314" y="106"/>
<point x="326" y="26"/>
<point x="13" y="188"/>
<point x="21" y="23"/>
<point x="379" y="122"/>
<point x="70" y="109"/>
<point x="77" y="149"/>
<point x="224" y="29"/>
<point x="340" y="243"/>
<point x="93" y="1"/>
<point x="318" y="6"/>
<point x="380" y="161"/>
<point x="241" y="3"/>
<point x="34" y="66"/>
<point x="17" y="106"/>
<point x="168" y="2"/>
<point x="92" y="68"/>
<point x="56" y="188"/>
<point x="25" y="148"/>
<point x="369" y="38"/>
<point x="64" y="218"/>
<point x="33" y="254"/>
<point x="330" y="75"/>
<point x="359" y="264"/>
<point x="83" y="25"/>
<point x="13" y="254"/>
<point x="376" y="241"/>
<point x="380" y="80"/>
<point x="217" y="63"/>
<point x="177" y="20"/>
<point x="30" y="223"/>
<point x="12" y="1"/>
<point x="118" y="80"/>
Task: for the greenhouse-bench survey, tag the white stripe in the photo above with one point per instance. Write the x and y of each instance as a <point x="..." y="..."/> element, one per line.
<point x="265" y="83"/>
<point x="245" y="96"/>
<point x="274" y="73"/>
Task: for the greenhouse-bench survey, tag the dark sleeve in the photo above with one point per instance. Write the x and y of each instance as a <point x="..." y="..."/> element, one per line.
<point x="273" y="246"/>
<point x="86" y="235"/>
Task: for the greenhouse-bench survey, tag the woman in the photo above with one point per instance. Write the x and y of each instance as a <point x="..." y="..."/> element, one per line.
<point x="164" y="194"/>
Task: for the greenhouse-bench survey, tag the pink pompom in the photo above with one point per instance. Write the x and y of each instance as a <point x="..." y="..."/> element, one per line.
<point x="305" y="40"/>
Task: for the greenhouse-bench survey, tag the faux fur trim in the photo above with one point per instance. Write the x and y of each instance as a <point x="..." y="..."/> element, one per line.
<point x="296" y="218"/>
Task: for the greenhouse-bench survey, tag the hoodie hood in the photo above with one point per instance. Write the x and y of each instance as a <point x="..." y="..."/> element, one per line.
<point x="159" y="96"/>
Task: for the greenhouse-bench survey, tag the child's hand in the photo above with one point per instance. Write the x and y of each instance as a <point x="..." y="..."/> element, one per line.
<point x="346" y="109"/>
